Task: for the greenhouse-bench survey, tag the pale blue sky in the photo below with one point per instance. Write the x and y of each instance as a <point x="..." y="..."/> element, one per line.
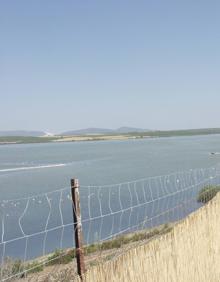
<point x="73" y="64"/>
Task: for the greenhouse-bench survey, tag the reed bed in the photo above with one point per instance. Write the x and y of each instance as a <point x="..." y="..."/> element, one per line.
<point x="190" y="252"/>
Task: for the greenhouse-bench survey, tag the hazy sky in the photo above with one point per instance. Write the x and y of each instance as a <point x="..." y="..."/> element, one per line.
<point x="72" y="64"/>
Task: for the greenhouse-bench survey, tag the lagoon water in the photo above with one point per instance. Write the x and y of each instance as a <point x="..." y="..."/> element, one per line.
<point x="32" y="169"/>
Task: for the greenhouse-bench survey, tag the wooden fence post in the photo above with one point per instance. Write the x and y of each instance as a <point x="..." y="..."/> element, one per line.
<point x="77" y="227"/>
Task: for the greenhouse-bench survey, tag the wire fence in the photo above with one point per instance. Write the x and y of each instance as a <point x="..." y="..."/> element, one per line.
<point x="113" y="217"/>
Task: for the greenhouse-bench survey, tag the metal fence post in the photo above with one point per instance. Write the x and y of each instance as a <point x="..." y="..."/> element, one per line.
<point x="77" y="227"/>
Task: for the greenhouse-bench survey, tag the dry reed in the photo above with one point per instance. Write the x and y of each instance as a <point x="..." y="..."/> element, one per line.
<point x="190" y="252"/>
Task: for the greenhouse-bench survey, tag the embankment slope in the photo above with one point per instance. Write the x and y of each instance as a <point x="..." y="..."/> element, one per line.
<point x="190" y="252"/>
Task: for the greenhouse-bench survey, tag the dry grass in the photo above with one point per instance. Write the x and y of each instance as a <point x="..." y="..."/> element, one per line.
<point x="190" y="252"/>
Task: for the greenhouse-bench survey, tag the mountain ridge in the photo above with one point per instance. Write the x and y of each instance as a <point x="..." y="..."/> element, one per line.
<point x="95" y="130"/>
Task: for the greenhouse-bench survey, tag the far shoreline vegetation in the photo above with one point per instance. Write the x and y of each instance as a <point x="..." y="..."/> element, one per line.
<point x="6" y="140"/>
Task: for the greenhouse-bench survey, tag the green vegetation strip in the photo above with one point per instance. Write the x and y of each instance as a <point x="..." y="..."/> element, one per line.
<point x="16" y="267"/>
<point x="26" y="139"/>
<point x="207" y="193"/>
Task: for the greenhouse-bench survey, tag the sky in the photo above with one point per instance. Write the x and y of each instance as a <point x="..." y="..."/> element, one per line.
<point x="72" y="64"/>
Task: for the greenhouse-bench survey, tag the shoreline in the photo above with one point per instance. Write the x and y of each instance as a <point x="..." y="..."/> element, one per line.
<point x="16" y="140"/>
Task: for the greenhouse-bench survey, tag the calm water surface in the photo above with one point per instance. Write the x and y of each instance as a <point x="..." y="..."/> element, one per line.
<point x="99" y="163"/>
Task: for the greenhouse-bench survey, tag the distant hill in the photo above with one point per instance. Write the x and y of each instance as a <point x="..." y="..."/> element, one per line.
<point x="22" y="133"/>
<point x="130" y="129"/>
<point x="87" y="131"/>
<point x="96" y="131"/>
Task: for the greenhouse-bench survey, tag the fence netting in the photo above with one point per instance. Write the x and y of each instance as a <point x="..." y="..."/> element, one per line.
<point x="37" y="232"/>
